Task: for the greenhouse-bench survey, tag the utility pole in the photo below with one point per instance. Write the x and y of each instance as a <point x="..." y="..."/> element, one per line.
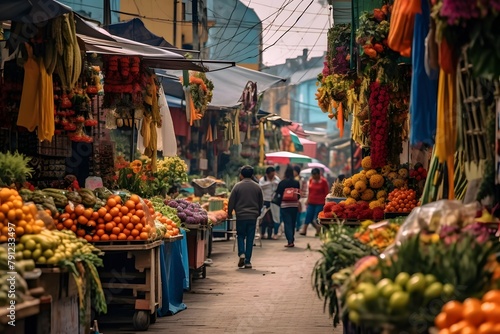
<point x="107" y="12"/>
<point x="196" y="37"/>
<point x="175" y="24"/>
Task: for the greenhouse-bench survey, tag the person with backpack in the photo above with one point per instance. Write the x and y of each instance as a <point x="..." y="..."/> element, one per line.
<point x="246" y="200"/>
<point x="318" y="190"/>
<point x="288" y="195"/>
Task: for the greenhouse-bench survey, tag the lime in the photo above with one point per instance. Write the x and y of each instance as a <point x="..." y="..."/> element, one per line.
<point x="354" y="317"/>
<point x="448" y="289"/>
<point x="433" y="291"/>
<point x="351" y="301"/>
<point x="370" y="292"/>
<point x="429" y="279"/>
<point x="416" y="283"/>
<point x="382" y="283"/>
<point x="41" y="260"/>
<point x="26" y="254"/>
<point x="36" y="254"/>
<point x="361" y="286"/>
<point x="48" y="253"/>
<point x="399" y="300"/>
<point x="402" y="279"/>
<point x="390" y="289"/>
<point x="30" y="244"/>
<point x="20" y="247"/>
<point x="359" y="302"/>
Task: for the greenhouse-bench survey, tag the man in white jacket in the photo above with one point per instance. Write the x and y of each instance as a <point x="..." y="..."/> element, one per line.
<point x="268" y="183"/>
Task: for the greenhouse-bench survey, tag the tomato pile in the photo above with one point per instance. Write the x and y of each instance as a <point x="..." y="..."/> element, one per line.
<point x="402" y="201"/>
<point x="117" y="220"/>
<point x="471" y="316"/>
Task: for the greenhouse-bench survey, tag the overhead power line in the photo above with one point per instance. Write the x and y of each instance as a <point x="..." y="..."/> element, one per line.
<point x="229" y="20"/>
<point x="280" y="10"/>
<point x="288" y="30"/>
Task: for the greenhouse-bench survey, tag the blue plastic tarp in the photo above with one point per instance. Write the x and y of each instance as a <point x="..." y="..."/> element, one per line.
<point x="174" y="275"/>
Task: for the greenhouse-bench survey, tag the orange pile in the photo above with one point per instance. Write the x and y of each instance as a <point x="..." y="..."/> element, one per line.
<point x="17" y="217"/>
<point x="473" y="316"/>
<point x="114" y="221"/>
<point x="401" y="200"/>
<point x="172" y="229"/>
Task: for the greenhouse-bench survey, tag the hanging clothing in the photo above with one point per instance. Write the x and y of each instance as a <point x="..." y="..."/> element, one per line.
<point x="29" y="109"/>
<point x="423" y="106"/>
<point x="36" y="110"/>
<point x="167" y="143"/>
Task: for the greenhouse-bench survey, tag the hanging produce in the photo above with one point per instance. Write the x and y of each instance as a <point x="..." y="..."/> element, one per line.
<point x="201" y="92"/>
<point x="66" y="59"/>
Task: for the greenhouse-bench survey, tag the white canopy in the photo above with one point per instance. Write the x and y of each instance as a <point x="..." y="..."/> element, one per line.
<point x="229" y="84"/>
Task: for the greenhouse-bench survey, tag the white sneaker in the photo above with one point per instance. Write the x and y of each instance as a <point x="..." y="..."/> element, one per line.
<point x="241" y="262"/>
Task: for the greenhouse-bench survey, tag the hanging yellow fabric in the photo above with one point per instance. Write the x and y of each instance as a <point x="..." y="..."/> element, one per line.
<point x="46" y="127"/>
<point x="237" y="138"/>
<point x="262" y="143"/>
<point x="446" y="132"/>
<point x="29" y="109"/>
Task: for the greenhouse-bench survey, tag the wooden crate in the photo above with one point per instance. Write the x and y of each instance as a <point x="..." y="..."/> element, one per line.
<point x="131" y="276"/>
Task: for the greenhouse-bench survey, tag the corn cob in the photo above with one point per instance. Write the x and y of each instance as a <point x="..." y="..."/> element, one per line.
<point x="57" y="34"/>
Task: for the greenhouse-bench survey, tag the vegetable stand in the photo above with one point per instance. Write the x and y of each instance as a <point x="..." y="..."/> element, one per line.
<point x="131" y="276"/>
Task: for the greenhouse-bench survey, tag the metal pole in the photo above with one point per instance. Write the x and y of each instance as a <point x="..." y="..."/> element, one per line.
<point x="175" y="23"/>
<point x="196" y="39"/>
<point x="107" y="12"/>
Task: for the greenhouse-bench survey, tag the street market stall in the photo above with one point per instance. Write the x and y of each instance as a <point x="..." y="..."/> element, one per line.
<point x="440" y="272"/>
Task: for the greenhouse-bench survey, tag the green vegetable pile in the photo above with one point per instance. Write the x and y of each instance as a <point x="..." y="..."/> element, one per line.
<point x="340" y="251"/>
<point x="165" y="210"/>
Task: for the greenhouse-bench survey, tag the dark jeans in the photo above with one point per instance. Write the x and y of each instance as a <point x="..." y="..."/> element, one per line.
<point x="289" y="217"/>
<point x="245" y="232"/>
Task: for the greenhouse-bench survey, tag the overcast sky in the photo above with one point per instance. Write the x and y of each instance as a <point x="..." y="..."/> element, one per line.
<point x="308" y="32"/>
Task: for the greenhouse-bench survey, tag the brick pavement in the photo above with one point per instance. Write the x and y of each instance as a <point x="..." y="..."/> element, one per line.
<point x="274" y="297"/>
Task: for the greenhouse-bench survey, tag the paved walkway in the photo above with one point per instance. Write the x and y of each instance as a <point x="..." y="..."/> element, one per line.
<point x="274" y="297"/>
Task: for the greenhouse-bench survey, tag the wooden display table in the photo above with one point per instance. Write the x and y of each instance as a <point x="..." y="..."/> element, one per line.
<point x="60" y="313"/>
<point x="23" y="313"/>
<point x="131" y="275"/>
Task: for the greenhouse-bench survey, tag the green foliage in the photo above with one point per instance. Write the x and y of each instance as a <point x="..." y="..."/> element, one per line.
<point x="14" y="168"/>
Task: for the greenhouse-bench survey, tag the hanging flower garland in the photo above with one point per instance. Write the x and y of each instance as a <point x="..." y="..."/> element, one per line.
<point x="201" y="89"/>
<point x="334" y="81"/>
<point x="379" y="104"/>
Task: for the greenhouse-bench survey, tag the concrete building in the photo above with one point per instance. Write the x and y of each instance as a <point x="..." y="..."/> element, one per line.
<point x="236" y="34"/>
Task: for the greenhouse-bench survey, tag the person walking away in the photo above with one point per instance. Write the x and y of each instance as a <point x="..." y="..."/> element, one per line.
<point x="318" y="190"/>
<point x="303" y="197"/>
<point x="246" y="200"/>
<point x="289" y="193"/>
<point x="269" y="183"/>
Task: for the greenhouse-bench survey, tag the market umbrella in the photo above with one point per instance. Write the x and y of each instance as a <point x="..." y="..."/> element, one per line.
<point x="287" y="158"/>
<point x="320" y="166"/>
<point x="308" y="171"/>
<point x="296" y="142"/>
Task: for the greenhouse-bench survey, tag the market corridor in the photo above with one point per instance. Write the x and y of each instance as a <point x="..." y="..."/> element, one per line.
<point x="273" y="297"/>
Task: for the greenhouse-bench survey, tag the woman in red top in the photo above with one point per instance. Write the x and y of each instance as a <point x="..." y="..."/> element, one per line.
<point x="318" y="190"/>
